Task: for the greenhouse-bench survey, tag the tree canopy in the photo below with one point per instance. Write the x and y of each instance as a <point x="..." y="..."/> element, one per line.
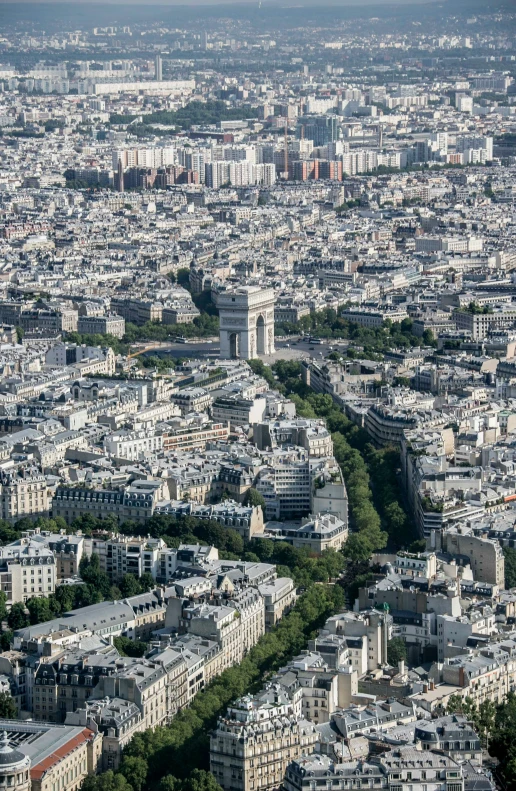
<point x="8" y="708"/>
<point x="175" y="757"/>
<point x="510" y="567"/>
<point x="253" y="498"/>
<point x="396" y="651"/>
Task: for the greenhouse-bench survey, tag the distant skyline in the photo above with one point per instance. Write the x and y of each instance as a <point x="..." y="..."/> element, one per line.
<point x="190" y="3"/>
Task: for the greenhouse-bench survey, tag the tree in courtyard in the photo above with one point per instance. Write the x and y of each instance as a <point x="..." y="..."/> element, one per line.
<point x="39" y="609"/>
<point x="3" y="606"/>
<point x="8" y="709"/>
<point x="129" y="586"/>
<point x="396" y="651"/>
<point x="254" y="498"/>
<point x="17" y="617"/>
<point x="147" y="582"/>
<point x="128" y="647"/>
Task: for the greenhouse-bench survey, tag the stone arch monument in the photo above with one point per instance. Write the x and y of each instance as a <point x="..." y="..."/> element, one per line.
<point x="246" y="322"/>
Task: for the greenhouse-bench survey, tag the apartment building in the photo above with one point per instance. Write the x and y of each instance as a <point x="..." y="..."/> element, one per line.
<point x="319" y="690"/>
<point x="380" y="716"/>
<point x="316" y="533"/>
<point x="195" y="482"/>
<point x="406" y="766"/>
<point x="236" y="479"/>
<point x="186" y="555"/>
<point x="67" y="549"/>
<point x="373" y="317"/>
<point x="485" y="554"/>
<point x="181" y="312"/>
<point x="121" y="555"/>
<point x="480" y="324"/>
<point x="137" y="311"/>
<point x="115" y="696"/>
<point x="372" y="625"/>
<point x="65" y="683"/>
<point x="147" y="683"/>
<point x="133" y="445"/>
<point x="279" y="597"/>
<point x="153" y="414"/>
<point x="286" y="486"/>
<point x="117" y="721"/>
<point x="23" y="493"/>
<point x="329" y="494"/>
<point x="77" y="680"/>
<point x="294" y="485"/>
<point x="309" y="434"/>
<point x="238" y="411"/>
<point x="249" y="611"/>
<point x="192" y="399"/>
<point x="102" y="325"/>
<point x="256" y="739"/>
<point x="489" y="674"/>
<point x="460" y="631"/>
<point x="85" y="359"/>
<point x="27" y="569"/>
<point x="134" y="617"/>
<point x="72" y="502"/>
<point x="194" y="435"/>
<point x="48" y="321"/>
<point x="387" y="424"/>
<point x="136" y="501"/>
<point x="236" y="623"/>
<point x="246" y="520"/>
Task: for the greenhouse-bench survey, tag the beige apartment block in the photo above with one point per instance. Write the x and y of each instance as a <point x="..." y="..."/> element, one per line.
<point x="485" y="554"/>
<point x="26" y="570"/>
<point x="255" y="741"/>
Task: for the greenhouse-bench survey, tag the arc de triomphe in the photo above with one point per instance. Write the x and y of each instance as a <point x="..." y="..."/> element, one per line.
<point x="246" y="322"/>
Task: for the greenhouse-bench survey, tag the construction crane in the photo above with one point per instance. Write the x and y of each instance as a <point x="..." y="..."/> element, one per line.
<point x="142" y="351"/>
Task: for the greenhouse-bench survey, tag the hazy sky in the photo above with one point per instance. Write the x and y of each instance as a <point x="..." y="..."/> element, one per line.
<point x="281" y="4"/>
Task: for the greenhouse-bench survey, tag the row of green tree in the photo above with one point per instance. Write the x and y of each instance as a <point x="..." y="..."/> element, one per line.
<point x="375" y="497"/>
<point x="374" y="340"/>
<point x="496" y="727"/>
<point x="193" y="114"/>
<point x="368" y="536"/>
<point x="175" y="756"/>
<point x="158" y="363"/>
<point x="203" y="326"/>
<point x="200" y="114"/>
<point x="303" y="566"/>
<point x="39" y="608"/>
<point x="96" y="587"/>
<point x="510" y="567"/>
<point x="324" y="324"/>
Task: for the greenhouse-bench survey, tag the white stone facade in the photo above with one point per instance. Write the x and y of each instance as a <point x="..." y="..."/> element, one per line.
<point x="246" y="322"/>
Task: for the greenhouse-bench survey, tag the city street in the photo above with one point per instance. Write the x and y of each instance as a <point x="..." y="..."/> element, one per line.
<point x="286" y="349"/>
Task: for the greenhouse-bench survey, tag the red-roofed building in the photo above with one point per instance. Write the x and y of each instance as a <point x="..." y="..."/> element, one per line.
<point x="68" y="765"/>
<point x="57" y="756"/>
